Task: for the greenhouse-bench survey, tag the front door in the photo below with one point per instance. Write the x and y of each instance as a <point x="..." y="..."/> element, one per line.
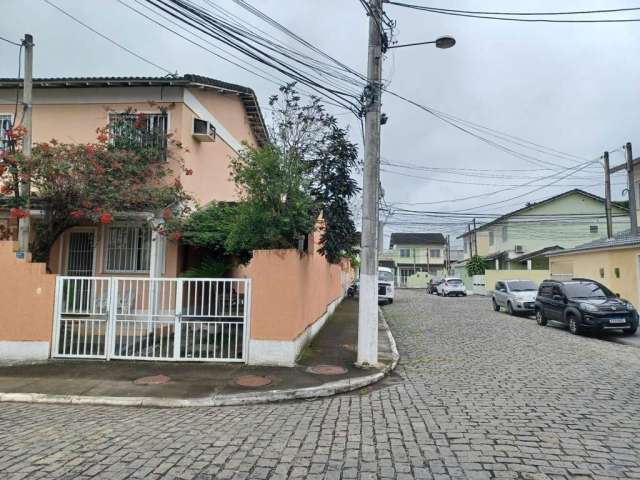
<point x="81" y="254"/>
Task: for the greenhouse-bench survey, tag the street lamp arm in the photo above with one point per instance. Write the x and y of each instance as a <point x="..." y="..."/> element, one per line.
<point x="410" y="44"/>
<point x="442" y="42"/>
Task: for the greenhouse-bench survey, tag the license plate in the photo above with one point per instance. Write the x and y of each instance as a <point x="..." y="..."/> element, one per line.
<point x="617" y="320"/>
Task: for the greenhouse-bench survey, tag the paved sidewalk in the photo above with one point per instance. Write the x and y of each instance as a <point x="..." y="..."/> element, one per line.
<point x="114" y="382"/>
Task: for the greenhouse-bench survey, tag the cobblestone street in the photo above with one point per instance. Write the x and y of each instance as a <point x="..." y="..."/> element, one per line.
<point x="477" y="395"/>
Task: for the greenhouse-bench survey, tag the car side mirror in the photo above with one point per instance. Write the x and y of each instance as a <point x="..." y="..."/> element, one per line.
<point x="558" y="298"/>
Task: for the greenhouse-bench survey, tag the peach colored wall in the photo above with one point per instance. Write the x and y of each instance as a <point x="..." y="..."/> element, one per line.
<point x="72" y="116"/>
<point x="210" y="160"/>
<point x="27" y="298"/>
<point x="290" y="291"/>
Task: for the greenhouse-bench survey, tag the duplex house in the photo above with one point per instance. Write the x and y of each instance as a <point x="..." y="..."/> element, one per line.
<point x="520" y="239"/>
<point x="416" y="252"/>
<point x="210" y="118"/>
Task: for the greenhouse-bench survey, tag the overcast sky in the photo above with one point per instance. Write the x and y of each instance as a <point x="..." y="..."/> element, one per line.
<point x="570" y="87"/>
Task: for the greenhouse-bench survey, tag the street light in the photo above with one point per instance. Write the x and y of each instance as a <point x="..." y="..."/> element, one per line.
<point x="442" y="42"/>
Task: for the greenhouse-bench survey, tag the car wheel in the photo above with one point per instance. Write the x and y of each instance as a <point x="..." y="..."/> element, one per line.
<point x="496" y="307"/>
<point x="510" y="308"/>
<point x="574" y="328"/>
<point x="631" y="331"/>
<point x="540" y="318"/>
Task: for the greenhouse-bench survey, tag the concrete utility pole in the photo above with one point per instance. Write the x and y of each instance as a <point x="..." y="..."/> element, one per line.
<point x="633" y="212"/>
<point x="24" y="224"/>
<point x="475" y="236"/>
<point x="607" y="195"/>
<point x="368" y="301"/>
<point x="470" y="244"/>
<point x="448" y="255"/>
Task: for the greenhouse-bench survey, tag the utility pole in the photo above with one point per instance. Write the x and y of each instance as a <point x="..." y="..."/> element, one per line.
<point x="633" y="212"/>
<point x="470" y="244"/>
<point x="448" y="255"/>
<point x="24" y="224"/>
<point x="368" y="301"/>
<point x="475" y="236"/>
<point x="380" y="237"/>
<point x="607" y="195"/>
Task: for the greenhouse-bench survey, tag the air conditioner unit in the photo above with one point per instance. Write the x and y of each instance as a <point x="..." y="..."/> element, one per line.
<point x="519" y="249"/>
<point x="203" y="131"/>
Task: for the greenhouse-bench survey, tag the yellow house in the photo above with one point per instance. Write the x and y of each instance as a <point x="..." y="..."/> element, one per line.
<point x="613" y="262"/>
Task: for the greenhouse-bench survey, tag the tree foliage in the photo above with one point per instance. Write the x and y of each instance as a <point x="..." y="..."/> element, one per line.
<point x="73" y="183"/>
<point x="307" y="135"/>
<point x="476" y="265"/>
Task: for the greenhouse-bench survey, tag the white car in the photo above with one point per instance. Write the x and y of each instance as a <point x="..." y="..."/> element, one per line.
<point x="452" y="286"/>
<point x="516" y="296"/>
<point x="386" y="290"/>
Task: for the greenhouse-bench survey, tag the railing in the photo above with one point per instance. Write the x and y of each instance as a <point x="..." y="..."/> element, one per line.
<point x="152" y="319"/>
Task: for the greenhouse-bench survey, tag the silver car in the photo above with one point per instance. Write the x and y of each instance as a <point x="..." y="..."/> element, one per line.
<point x="516" y="296"/>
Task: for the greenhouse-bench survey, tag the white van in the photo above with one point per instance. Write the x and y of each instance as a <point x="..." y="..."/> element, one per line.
<point x="386" y="290"/>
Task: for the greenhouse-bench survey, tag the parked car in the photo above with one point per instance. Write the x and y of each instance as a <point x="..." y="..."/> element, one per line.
<point x="451" y="286"/>
<point x="432" y="288"/>
<point x="516" y="296"/>
<point x="386" y="290"/>
<point x="583" y="305"/>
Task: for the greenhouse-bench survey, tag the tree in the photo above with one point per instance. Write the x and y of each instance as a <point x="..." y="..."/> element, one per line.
<point x="73" y="183"/>
<point x="476" y="265"/>
<point x="275" y="208"/>
<point x="307" y="135"/>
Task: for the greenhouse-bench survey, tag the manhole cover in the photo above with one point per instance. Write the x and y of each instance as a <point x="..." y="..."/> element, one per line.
<point x="252" y="381"/>
<point x="327" y="370"/>
<point x="154" y="380"/>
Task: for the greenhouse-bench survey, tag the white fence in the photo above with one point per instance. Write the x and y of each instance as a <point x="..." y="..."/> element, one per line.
<point x="152" y="319"/>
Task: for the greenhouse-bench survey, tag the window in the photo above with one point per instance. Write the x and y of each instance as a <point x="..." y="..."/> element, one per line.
<point x="5" y="125"/>
<point x="128" y="249"/>
<point x="491" y="237"/>
<point x="586" y="290"/>
<point x="522" y="286"/>
<point x="593" y="229"/>
<point x="405" y="252"/>
<point x="546" y="290"/>
<point x="505" y="235"/>
<point x="434" y="253"/>
<point x="146" y="130"/>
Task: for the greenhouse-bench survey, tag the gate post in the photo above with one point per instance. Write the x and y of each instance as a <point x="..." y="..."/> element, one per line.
<point x="177" y="329"/>
<point x="247" y="320"/>
<point x="57" y="309"/>
<point x="112" y="309"/>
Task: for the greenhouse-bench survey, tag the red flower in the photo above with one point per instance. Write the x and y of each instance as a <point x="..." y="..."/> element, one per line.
<point x="139" y="121"/>
<point x="77" y="214"/>
<point x="167" y="213"/>
<point x="177" y="183"/>
<point x="6" y="190"/>
<point x="176" y="236"/>
<point x="188" y="171"/>
<point x="102" y="137"/>
<point x="18" y="213"/>
<point x="106" y="218"/>
<point x="97" y="209"/>
<point x="91" y="150"/>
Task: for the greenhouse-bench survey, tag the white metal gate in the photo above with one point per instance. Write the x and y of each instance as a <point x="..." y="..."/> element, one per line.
<point x="137" y="318"/>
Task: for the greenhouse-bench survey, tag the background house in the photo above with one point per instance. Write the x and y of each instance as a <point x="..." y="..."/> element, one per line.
<point x="520" y="239"/>
<point x="416" y="252"/>
<point x="614" y="262"/>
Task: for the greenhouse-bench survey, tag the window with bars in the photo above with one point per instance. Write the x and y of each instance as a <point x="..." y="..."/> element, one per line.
<point x="405" y="252"/>
<point x="5" y="125"/>
<point x="128" y="249"/>
<point x="139" y="130"/>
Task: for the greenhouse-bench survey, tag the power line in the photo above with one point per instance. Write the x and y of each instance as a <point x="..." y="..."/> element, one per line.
<point x="506" y="18"/>
<point x="11" y="42"/>
<point x="539" y="14"/>
<point x="108" y="38"/>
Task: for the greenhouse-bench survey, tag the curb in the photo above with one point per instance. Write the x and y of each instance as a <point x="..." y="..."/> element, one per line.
<point x="325" y="390"/>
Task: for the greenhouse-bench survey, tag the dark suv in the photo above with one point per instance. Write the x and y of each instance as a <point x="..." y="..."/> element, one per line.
<point x="584" y="304"/>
